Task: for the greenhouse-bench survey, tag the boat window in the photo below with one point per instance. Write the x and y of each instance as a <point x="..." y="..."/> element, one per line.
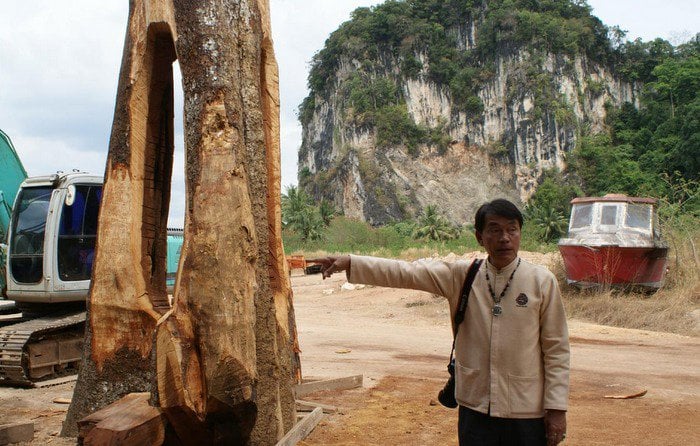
<point x="638" y="216"/>
<point x="78" y="232"/>
<point x="608" y="215"/>
<point x="28" y="229"/>
<point x="582" y="216"/>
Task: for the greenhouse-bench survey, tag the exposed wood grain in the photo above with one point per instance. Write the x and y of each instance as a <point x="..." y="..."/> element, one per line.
<point x="128" y="421"/>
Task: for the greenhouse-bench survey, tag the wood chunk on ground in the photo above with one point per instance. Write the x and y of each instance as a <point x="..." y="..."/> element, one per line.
<point x="128" y="421"/>
<point x="627" y="396"/>
<point x="15" y="433"/>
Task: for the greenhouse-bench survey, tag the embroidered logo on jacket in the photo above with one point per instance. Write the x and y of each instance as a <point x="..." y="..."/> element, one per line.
<point x="521" y="300"/>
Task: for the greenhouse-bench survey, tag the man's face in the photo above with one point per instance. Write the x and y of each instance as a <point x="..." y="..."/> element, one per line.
<point x="501" y="239"/>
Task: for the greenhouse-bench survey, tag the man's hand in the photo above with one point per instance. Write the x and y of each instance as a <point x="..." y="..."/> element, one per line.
<point x="332" y="264"/>
<point x="555" y="426"/>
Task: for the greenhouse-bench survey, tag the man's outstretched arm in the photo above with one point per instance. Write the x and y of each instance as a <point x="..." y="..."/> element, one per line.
<point x="332" y="264"/>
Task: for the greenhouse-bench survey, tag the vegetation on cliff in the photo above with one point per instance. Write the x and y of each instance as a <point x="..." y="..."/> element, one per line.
<point x="405" y="29"/>
<point x="651" y="150"/>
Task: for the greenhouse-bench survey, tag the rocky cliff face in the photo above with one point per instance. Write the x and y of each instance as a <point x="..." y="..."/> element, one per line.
<point x="534" y="109"/>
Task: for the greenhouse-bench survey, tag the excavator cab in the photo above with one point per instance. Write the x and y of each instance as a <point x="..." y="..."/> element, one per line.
<point x="50" y="255"/>
<point x="52" y="239"/>
<point x="51" y="246"/>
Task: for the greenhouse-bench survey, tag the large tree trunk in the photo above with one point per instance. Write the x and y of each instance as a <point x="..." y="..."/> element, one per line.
<point x="224" y="362"/>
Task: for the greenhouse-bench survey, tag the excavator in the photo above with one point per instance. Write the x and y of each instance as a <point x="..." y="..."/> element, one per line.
<point x="48" y="229"/>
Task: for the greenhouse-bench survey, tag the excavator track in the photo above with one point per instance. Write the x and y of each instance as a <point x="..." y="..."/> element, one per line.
<point x="41" y="348"/>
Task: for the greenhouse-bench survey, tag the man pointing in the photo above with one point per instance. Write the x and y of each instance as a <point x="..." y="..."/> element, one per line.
<point x="511" y="351"/>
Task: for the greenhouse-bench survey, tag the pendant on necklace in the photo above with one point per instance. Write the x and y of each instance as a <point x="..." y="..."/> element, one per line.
<point x="497" y="310"/>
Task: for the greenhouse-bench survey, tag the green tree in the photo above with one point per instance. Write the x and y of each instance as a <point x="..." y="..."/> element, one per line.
<point x="326" y="212"/>
<point x="434" y="226"/>
<point x="551" y="224"/>
<point x="606" y="168"/>
<point x="300" y="215"/>
<point x="395" y="126"/>
<point x="672" y="114"/>
<point x="555" y="191"/>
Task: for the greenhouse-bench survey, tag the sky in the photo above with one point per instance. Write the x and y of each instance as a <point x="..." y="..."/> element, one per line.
<point x="60" y="60"/>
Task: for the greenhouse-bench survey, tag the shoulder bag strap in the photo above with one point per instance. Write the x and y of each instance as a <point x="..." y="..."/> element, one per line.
<point x="464" y="300"/>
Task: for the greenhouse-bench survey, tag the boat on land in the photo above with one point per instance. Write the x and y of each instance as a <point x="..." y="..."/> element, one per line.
<point x="614" y="242"/>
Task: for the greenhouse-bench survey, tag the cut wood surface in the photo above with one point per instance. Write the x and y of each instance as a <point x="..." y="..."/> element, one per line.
<point x="16" y="432"/>
<point x="128" y="421"/>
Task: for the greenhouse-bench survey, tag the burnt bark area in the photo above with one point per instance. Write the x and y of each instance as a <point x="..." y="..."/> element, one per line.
<point x="125" y="373"/>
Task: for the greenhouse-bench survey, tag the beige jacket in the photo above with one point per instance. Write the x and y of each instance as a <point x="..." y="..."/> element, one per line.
<point x="514" y="365"/>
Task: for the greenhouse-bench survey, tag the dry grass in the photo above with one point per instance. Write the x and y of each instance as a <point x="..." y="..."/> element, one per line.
<point x="675" y="308"/>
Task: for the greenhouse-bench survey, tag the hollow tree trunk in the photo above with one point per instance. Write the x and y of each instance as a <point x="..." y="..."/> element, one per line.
<point x="221" y="363"/>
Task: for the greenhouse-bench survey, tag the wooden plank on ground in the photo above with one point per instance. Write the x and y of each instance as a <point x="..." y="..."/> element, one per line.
<point x="15" y="433"/>
<point x="349" y="382"/>
<point x="309" y="406"/>
<point x="128" y="421"/>
<point x="302" y="429"/>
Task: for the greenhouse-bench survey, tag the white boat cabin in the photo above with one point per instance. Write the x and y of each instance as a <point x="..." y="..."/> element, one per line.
<point x="613" y="220"/>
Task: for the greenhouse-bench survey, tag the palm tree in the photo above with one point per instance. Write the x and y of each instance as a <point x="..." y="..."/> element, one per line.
<point x="434" y="226"/>
<point x="300" y="215"/>
<point x="551" y="223"/>
<point x="293" y="202"/>
<point x="326" y="211"/>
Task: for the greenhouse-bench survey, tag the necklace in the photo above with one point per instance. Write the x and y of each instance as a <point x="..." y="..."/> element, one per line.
<point x="497" y="310"/>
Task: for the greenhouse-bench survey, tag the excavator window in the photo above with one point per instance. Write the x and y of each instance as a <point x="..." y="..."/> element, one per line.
<point x="28" y="229"/>
<point x="77" y="233"/>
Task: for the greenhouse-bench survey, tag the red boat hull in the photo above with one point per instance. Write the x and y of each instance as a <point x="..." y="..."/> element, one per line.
<point x="614" y="266"/>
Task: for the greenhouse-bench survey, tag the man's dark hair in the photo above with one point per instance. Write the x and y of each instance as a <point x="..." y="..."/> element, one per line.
<point x="499" y="207"/>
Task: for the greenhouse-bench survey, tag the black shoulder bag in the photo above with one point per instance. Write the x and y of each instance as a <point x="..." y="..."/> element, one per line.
<point x="447" y="394"/>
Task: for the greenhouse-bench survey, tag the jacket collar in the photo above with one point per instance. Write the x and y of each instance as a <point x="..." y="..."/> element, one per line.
<point x="505" y="270"/>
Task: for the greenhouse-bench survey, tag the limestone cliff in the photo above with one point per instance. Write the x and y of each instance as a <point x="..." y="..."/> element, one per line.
<point x="525" y="113"/>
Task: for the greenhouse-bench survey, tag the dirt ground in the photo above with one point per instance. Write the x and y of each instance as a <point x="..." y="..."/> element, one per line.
<point x="400" y="340"/>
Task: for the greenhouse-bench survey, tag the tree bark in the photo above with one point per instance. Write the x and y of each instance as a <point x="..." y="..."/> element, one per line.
<point x="222" y="362"/>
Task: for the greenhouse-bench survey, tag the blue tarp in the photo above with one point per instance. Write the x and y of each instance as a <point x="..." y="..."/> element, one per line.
<point x="12" y="174"/>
